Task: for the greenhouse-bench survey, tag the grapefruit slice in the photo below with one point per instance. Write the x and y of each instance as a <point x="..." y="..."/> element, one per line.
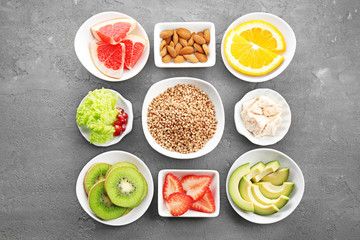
<point x="114" y="30"/>
<point x="109" y="59"/>
<point x="134" y="47"/>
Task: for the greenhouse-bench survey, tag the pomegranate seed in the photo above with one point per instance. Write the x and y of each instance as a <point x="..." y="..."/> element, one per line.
<point x="123" y="127"/>
<point x="121" y="120"/>
<point x="117" y="130"/>
<point x="125" y="115"/>
<point x="117" y="123"/>
<point x="120" y="109"/>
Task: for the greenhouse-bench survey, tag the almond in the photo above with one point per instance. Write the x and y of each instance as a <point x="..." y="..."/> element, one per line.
<point x="191" y="58"/>
<point x="171" y="44"/>
<point x="186" y="50"/>
<point x="171" y="51"/>
<point x="167" y="58"/>
<point x="180" y="59"/>
<point x="207" y="35"/>
<point x="191" y="40"/>
<point x="177" y="48"/>
<point x="201" y="34"/>
<point x="202" y="57"/>
<point x="175" y="38"/>
<point x="163" y="52"/>
<point x="199" y="40"/>
<point x="168" y="40"/>
<point x="184" y="33"/>
<point x="198" y="48"/>
<point x="162" y="44"/>
<point x="166" y="34"/>
<point x="183" y="42"/>
<point x="206" y="49"/>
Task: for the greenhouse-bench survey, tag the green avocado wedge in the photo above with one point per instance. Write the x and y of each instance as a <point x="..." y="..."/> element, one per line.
<point x="271" y="191"/>
<point x="279" y="202"/>
<point x="269" y="168"/>
<point x="277" y="178"/>
<point x="255" y="170"/>
<point x="246" y="193"/>
<point x="234" y="188"/>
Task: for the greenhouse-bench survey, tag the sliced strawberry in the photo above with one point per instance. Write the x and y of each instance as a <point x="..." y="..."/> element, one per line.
<point x="178" y="203"/>
<point x="195" y="186"/>
<point x="206" y="204"/>
<point x="172" y="184"/>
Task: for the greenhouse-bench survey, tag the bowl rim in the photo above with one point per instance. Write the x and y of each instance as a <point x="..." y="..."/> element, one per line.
<point x="162" y="173"/>
<point x="129" y="125"/>
<point x="79" y="187"/>
<point x="176" y="155"/>
<point x="276" y="72"/>
<point x="240" y="212"/>
<point x="97" y="73"/>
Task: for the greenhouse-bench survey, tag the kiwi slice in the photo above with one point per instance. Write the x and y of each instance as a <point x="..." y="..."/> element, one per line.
<point x="125" y="186"/>
<point x="121" y="164"/>
<point x="95" y="173"/>
<point x="145" y="190"/>
<point x="101" y="205"/>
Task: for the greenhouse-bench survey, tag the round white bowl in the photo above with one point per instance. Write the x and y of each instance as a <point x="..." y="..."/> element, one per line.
<point x="288" y="54"/>
<point x="122" y="103"/>
<point x="266" y="155"/>
<point x="113" y="157"/>
<point x="83" y="38"/>
<point x="158" y="88"/>
<point x="285" y="115"/>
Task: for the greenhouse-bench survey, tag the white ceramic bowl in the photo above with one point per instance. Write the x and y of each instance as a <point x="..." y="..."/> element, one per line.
<point x="180" y="173"/>
<point x="84" y="37"/>
<point x="192" y="27"/>
<point x="266" y="155"/>
<point x="285" y="115"/>
<point x="158" y="88"/>
<point x="113" y="157"/>
<point x="124" y="104"/>
<point x="282" y="26"/>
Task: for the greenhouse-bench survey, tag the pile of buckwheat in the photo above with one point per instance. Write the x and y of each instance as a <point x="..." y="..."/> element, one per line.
<point x="182" y="119"/>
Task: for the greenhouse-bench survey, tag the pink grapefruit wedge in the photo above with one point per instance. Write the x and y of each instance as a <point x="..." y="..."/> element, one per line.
<point x="114" y="30"/>
<point x="134" y="47"/>
<point x="109" y="59"/>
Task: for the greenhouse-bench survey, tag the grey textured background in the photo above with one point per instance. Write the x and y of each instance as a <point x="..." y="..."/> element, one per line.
<point x="42" y="151"/>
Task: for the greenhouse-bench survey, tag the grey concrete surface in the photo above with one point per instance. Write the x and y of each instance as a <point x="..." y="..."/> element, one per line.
<point x="42" y="151"/>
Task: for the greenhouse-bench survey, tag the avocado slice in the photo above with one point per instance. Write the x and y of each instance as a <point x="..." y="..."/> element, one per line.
<point x="271" y="191"/>
<point x="277" y="178"/>
<point x="279" y="202"/>
<point x="234" y="188"/>
<point x="246" y="193"/>
<point x="256" y="169"/>
<point x="269" y="168"/>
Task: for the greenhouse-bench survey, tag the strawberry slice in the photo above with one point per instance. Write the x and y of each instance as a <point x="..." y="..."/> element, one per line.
<point x="172" y="184"/>
<point x="206" y="204"/>
<point x="195" y="186"/>
<point x="178" y="203"/>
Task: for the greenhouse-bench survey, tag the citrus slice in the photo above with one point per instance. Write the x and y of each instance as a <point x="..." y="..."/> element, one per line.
<point x="134" y="47"/>
<point x="249" y="58"/>
<point x="262" y="34"/>
<point x="114" y="30"/>
<point x="109" y="59"/>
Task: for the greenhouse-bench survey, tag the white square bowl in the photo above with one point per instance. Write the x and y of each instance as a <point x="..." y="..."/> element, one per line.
<point x="180" y="173"/>
<point x="192" y="27"/>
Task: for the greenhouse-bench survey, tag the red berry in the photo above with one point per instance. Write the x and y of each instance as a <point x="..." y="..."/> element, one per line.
<point x="125" y="115"/>
<point x="123" y="127"/>
<point x="172" y="184"/>
<point x="178" y="203"/>
<point x="121" y="119"/>
<point x="117" y="123"/>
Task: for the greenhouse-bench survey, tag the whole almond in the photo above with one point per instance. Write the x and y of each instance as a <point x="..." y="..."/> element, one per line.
<point x="201" y="34"/>
<point x="171" y="51"/>
<point x="191" y="58"/>
<point x="207" y="35"/>
<point x="177" y="48"/>
<point x="198" y="48"/>
<point x="202" y="57"/>
<point x="184" y="33"/>
<point x="167" y="33"/>
<point x="175" y="38"/>
<point x="168" y="40"/>
<point x="167" y="58"/>
<point x="191" y="40"/>
<point x="183" y="42"/>
<point x="162" y="44"/>
<point x="163" y="52"/>
<point x="179" y="59"/>
<point x="186" y="50"/>
<point x="171" y="44"/>
<point x="199" y="40"/>
<point x="206" y="49"/>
